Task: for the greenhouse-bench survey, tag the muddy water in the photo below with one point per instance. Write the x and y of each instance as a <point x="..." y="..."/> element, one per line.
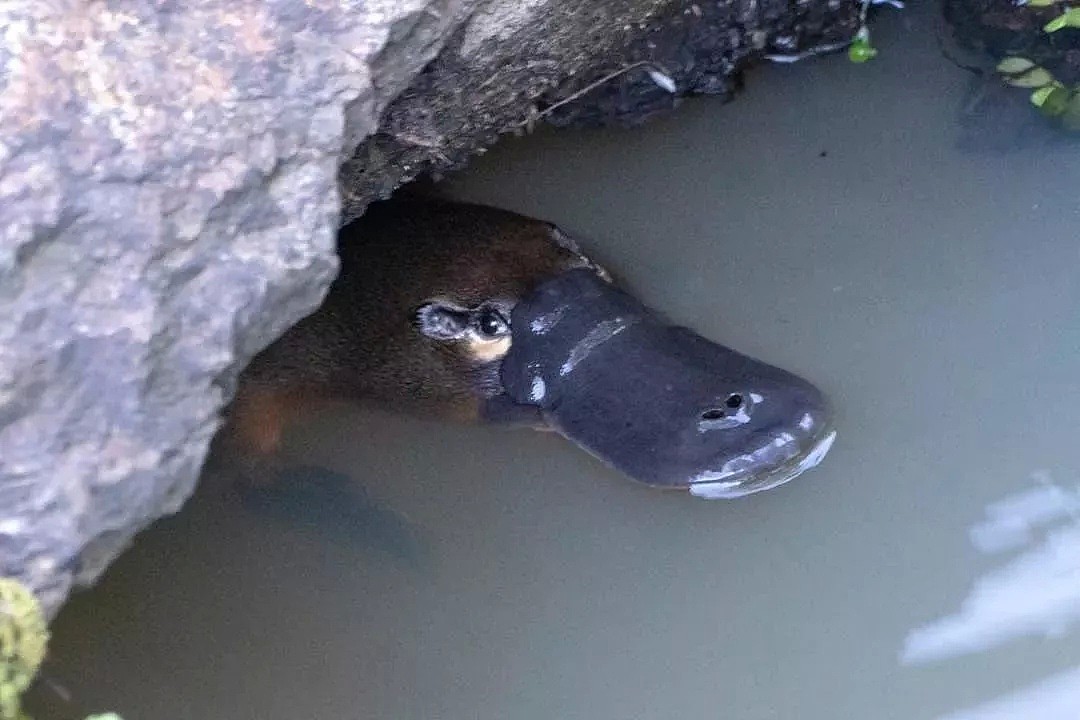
<point x="831" y="222"/>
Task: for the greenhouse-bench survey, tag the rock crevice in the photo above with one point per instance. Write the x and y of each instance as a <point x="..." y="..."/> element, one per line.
<point x="172" y="175"/>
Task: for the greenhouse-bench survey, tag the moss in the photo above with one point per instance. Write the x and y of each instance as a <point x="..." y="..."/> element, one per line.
<point x="24" y="635"/>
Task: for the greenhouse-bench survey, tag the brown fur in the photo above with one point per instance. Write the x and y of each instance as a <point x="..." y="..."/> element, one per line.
<point x="361" y="345"/>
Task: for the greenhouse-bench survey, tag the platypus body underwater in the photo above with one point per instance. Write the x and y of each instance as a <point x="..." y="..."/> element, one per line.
<point x="477" y="314"/>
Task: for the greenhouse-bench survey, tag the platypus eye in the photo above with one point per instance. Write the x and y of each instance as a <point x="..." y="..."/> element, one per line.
<point x="491" y="323"/>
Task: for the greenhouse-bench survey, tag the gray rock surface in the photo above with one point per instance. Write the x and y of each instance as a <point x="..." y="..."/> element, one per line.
<point x="169" y="194"/>
<point x="168" y="205"/>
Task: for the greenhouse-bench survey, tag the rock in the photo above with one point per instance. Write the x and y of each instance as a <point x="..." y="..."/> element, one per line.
<point x="167" y="207"/>
<point x="169" y="194"/>
<point x="547" y="52"/>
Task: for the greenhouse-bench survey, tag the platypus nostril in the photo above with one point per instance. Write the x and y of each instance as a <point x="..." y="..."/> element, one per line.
<point x="733" y="402"/>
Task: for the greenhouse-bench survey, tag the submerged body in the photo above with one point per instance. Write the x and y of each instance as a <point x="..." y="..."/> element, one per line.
<point x="471" y="313"/>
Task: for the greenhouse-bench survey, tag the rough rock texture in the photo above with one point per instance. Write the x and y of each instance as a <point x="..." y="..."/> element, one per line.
<point x="169" y="195"/>
<point x="534" y="65"/>
<point x="167" y="207"/>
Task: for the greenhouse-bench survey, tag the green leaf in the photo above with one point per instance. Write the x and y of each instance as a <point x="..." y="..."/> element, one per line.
<point x="1069" y="18"/>
<point x="1038" y="97"/>
<point x="1052" y="100"/>
<point x="1070" y="117"/>
<point x="1033" y="78"/>
<point x="1014" y="65"/>
<point x="1056" y="24"/>
<point x="861" y="51"/>
<point x="1040" y="3"/>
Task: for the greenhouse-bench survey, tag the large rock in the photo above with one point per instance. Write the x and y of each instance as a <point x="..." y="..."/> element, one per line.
<point x="169" y="197"/>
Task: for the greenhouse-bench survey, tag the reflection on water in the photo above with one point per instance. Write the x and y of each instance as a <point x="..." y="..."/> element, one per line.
<point x="1056" y="698"/>
<point x="830" y="222"/>
<point x="1036" y="593"/>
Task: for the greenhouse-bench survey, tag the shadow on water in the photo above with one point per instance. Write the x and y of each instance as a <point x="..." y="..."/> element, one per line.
<point x="333" y="505"/>
<point x="248" y="576"/>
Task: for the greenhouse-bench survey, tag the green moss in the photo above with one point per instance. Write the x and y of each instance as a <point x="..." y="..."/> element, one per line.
<point x="24" y="635"/>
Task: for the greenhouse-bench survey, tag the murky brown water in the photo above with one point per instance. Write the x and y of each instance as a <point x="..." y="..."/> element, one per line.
<point x="828" y="222"/>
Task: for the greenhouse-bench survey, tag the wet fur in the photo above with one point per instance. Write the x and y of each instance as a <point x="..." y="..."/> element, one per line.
<point x="362" y="346"/>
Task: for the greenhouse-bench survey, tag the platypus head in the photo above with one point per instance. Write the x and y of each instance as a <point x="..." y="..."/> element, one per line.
<point x="509" y="312"/>
<point x="659" y="402"/>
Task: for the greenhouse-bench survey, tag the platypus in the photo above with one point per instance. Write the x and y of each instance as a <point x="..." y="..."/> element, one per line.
<point x="476" y="314"/>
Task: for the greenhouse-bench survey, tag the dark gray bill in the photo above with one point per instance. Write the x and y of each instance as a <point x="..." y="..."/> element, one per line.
<point x="660" y="403"/>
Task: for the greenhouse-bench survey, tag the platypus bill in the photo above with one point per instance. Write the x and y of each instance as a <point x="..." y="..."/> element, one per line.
<point x="472" y="313"/>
